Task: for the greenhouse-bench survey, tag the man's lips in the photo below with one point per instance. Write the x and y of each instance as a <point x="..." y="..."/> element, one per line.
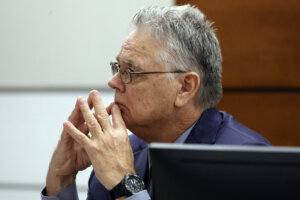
<point x="121" y="106"/>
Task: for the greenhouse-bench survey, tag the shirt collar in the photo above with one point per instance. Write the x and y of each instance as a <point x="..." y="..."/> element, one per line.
<point x="181" y="139"/>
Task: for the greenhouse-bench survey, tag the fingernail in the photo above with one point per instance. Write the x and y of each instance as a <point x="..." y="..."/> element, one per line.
<point x="66" y="124"/>
<point x="82" y="101"/>
<point x="115" y="106"/>
<point x="95" y="93"/>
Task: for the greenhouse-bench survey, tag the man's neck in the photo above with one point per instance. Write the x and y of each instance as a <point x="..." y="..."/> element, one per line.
<point x="170" y="129"/>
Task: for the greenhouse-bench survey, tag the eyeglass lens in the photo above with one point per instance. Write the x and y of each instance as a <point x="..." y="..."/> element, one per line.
<point x="114" y="68"/>
<point x="124" y="73"/>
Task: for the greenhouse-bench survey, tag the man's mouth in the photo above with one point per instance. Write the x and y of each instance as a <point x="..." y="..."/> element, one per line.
<point x="121" y="106"/>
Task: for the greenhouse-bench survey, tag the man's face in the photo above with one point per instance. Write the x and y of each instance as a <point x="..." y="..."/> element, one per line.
<point x="149" y="99"/>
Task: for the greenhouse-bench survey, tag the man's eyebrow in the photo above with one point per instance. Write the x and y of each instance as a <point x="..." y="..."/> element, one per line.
<point x="130" y="63"/>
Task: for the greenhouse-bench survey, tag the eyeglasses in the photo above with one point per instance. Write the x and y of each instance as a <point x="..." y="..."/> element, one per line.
<point x="127" y="73"/>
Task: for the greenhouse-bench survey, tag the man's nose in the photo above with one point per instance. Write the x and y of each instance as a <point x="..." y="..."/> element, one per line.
<point x="116" y="83"/>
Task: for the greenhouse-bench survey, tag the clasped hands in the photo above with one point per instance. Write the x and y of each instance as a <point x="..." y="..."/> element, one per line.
<point x="107" y="146"/>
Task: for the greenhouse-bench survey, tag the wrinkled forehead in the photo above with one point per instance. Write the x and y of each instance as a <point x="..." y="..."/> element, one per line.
<point x="138" y="48"/>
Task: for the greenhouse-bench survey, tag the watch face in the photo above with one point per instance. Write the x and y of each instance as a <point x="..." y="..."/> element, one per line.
<point x="134" y="183"/>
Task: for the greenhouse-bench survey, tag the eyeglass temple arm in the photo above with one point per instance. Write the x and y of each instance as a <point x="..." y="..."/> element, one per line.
<point x="157" y="72"/>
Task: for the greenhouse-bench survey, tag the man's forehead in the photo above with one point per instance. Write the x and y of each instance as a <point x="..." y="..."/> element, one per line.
<point x="138" y="48"/>
<point x="137" y="44"/>
<point x="141" y="41"/>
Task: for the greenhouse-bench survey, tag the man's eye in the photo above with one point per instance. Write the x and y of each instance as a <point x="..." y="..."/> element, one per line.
<point x="130" y="70"/>
<point x="124" y="71"/>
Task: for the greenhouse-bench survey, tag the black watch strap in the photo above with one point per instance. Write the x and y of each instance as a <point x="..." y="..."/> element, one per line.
<point x="130" y="185"/>
<point x="119" y="191"/>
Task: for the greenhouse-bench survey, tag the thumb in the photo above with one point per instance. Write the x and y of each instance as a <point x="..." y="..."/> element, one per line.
<point x="108" y="108"/>
<point x="117" y="117"/>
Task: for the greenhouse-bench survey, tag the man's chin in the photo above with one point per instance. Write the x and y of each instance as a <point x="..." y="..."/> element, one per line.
<point x="127" y="121"/>
<point x="125" y="117"/>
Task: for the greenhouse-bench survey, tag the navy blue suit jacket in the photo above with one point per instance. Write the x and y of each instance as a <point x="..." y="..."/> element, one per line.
<point x="213" y="127"/>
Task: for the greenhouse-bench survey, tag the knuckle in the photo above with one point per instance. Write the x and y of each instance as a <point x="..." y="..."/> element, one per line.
<point x="96" y="149"/>
<point x="102" y="116"/>
<point x="81" y="137"/>
<point x="93" y="123"/>
<point x="119" y="136"/>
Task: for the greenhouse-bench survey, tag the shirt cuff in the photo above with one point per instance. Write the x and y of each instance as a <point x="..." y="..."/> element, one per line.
<point x="69" y="192"/>
<point x="142" y="195"/>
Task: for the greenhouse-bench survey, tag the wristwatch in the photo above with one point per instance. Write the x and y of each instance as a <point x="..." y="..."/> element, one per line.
<point x="131" y="184"/>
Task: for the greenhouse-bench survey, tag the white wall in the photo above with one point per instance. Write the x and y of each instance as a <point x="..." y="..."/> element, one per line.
<point x="31" y="123"/>
<point x="62" y="43"/>
<point x="56" y="44"/>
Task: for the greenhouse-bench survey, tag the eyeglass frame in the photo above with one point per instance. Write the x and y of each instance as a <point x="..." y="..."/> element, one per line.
<point x="117" y="66"/>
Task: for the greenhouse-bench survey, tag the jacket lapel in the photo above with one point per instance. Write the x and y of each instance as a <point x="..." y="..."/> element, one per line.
<point x="140" y="162"/>
<point x="206" y="128"/>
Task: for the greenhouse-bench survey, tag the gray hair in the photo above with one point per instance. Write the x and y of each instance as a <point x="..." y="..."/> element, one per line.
<point x="190" y="45"/>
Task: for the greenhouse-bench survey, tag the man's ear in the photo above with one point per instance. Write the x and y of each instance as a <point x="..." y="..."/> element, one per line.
<point x="188" y="86"/>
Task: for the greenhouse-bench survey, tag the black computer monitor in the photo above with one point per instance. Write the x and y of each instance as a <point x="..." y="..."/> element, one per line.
<point x="213" y="172"/>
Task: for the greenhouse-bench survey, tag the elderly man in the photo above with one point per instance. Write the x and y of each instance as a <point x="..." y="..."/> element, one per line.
<point x="167" y="82"/>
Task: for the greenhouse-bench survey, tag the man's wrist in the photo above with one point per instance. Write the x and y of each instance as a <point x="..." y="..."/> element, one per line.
<point x="122" y="198"/>
<point x="55" y="183"/>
